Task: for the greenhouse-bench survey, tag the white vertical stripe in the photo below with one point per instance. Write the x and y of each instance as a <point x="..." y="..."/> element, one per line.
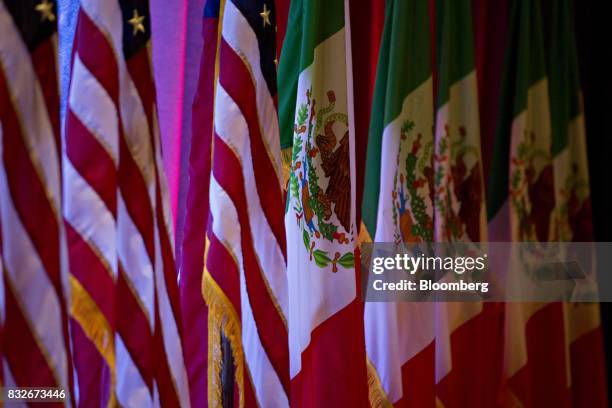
<point x="268" y="388"/>
<point x="238" y="34"/>
<point x="232" y="128"/>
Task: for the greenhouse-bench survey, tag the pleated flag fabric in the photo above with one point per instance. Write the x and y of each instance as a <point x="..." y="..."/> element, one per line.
<point x="245" y="282"/>
<point x="127" y="331"/>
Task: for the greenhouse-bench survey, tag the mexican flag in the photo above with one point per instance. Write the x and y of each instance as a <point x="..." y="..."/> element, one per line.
<point x="461" y="371"/>
<point x="572" y="218"/>
<point x="398" y="202"/>
<point x="327" y="352"/>
<point x="523" y="207"/>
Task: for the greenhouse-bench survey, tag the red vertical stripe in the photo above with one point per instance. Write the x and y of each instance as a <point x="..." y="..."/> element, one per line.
<point x="94" y="374"/>
<point x="476" y="350"/>
<point x="589" y="387"/>
<point x="193" y="307"/>
<point x="542" y="381"/>
<point x="326" y="357"/>
<point x="418" y="380"/>
<point x="47" y="78"/>
<point x="367" y="21"/>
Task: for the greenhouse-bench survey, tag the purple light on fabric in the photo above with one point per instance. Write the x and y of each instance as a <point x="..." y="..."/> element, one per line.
<point x="169" y="27"/>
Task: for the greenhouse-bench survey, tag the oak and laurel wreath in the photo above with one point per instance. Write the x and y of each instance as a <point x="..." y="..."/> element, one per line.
<point x="421" y="227"/>
<point x="418" y="208"/>
<point x="443" y="200"/>
<point x="321" y="257"/>
<point x="577" y="184"/>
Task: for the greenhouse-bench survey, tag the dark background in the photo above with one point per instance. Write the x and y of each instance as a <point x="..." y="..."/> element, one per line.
<point x="593" y="33"/>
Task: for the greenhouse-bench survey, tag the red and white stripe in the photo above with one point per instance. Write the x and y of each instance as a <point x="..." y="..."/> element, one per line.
<point x="148" y="351"/>
<point x="35" y="324"/>
<point x="91" y="156"/>
<point x="247" y="257"/>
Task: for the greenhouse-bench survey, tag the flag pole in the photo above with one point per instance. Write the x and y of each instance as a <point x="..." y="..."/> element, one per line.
<point x="227" y="373"/>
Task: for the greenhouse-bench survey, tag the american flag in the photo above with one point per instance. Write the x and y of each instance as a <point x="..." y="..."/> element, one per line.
<point x="34" y="313"/>
<point x="127" y="347"/>
<point x="245" y="283"/>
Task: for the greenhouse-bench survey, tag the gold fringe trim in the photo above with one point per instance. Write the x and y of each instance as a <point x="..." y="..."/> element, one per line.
<point x="222" y="318"/>
<point x="364" y="235"/>
<point x="215" y="360"/>
<point x="84" y="310"/>
<point x="364" y="238"/>
<point x="286" y="164"/>
<point x="376" y="393"/>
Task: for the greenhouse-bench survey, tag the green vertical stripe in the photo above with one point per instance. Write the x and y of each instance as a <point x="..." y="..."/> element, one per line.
<point x="455" y="44"/>
<point x="564" y="82"/>
<point x="310" y="22"/>
<point x="288" y="73"/>
<point x="524" y="66"/>
<point x="530" y="66"/>
<point x="371" y="189"/>
<point x="497" y="191"/>
<point x="410" y="53"/>
<point x="404" y="63"/>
